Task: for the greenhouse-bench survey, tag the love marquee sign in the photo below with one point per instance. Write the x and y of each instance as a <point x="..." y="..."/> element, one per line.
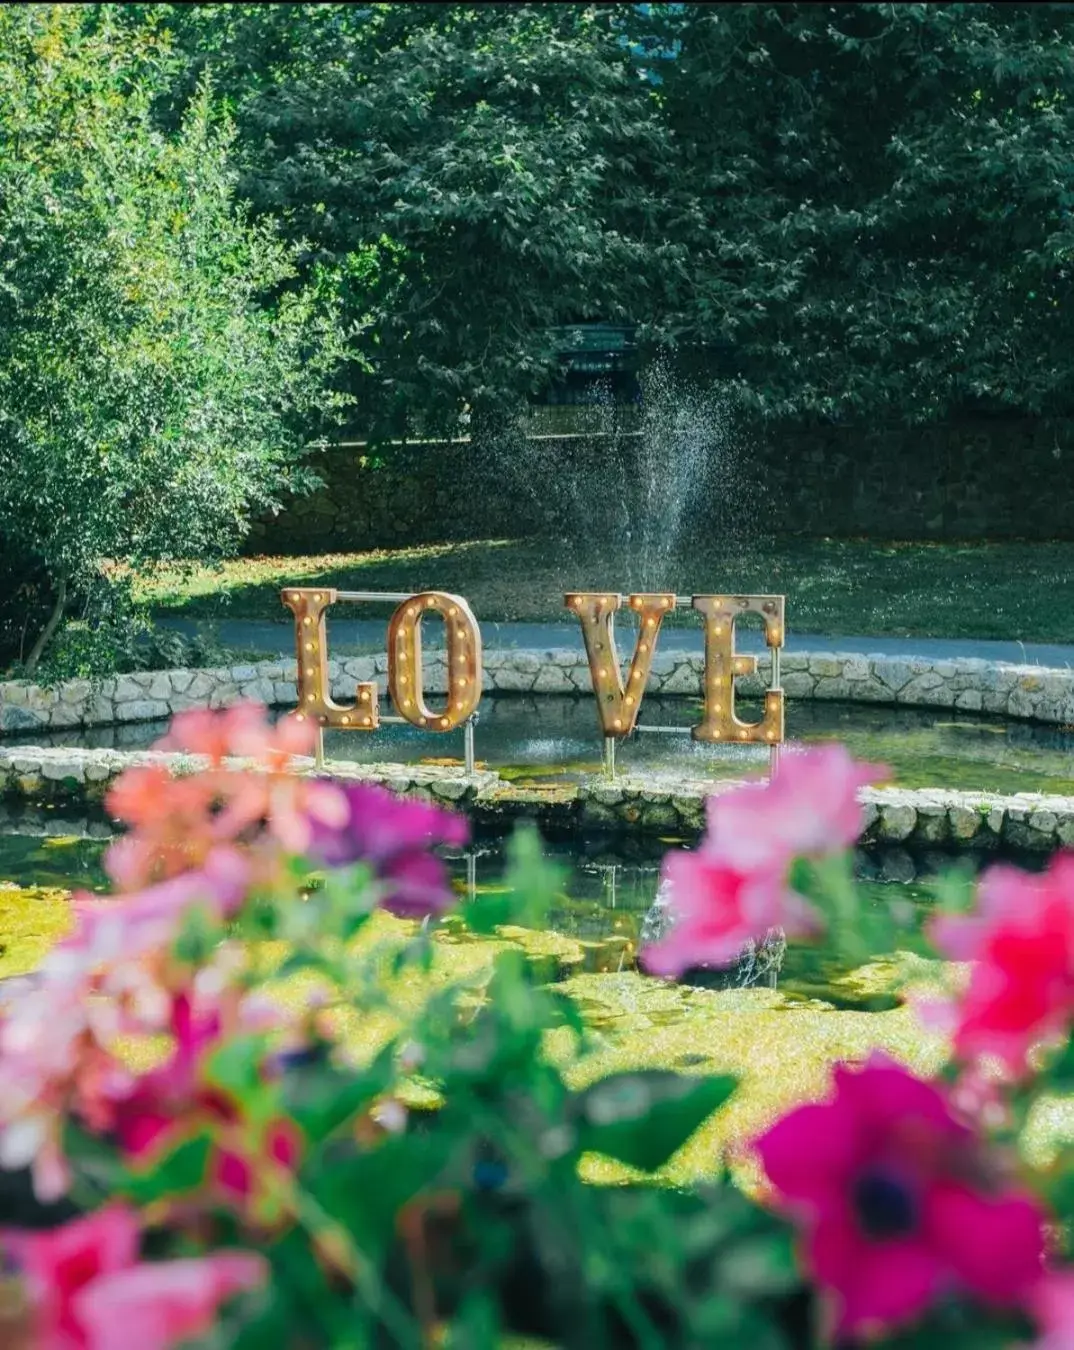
<point x="618" y="699"/>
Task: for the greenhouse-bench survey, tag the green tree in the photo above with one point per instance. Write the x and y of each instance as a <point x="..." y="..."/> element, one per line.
<point x="494" y="154"/>
<point x="848" y="210"/>
<point x="877" y="202"/>
<point x="157" y="367"/>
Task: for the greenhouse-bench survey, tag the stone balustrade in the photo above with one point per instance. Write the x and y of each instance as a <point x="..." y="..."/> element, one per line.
<point x="1025" y="692"/>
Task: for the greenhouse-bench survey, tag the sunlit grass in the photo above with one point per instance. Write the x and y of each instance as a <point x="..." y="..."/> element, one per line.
<point x="1016" y="591"/>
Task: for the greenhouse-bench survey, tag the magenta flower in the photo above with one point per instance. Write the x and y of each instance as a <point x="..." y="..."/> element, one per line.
<point x="718" y="911"/>
<point x="809" y="808"/>
<point x="1021" y="940"/>
<point x="897" y="1203"/>
<point x="395" y="838"/>
<point x="89" y="1291"/>
<point x="248" y="1159"/>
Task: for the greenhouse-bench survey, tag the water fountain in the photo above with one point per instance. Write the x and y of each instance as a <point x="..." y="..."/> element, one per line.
<point x="619" y="491"/>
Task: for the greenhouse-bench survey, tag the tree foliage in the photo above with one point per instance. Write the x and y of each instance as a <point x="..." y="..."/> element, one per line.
<point x="849" y="210"/>
<point x="152" y="390"/>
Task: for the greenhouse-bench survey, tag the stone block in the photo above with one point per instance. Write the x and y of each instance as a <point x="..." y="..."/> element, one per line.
<point x="832" y="688"/>
<point x="897" y="821"/>
<point x="798" y="685"/>
<point x="897" y="865"/>
<point x="552" y="680"/>
<point x="969" y="699"/>
<point x="1022" y="703"/>
<point x="65" y="715"/>
<point x="56" y="770"/>
<point x="681" y="679"/>
<point x="261" y="691"/>
<point x="198" y="685"/>
<point x="964" y="822"/>
<point x="892" y="672"/>
<point x="14" y="718"/>
<point x="145" y="710"/>
<point x="515" y="679"/>
<point x="161" y="687"/>
<point x="1019" y="833"/>
<point x="856" y="668"/>
<point x="128" y="689"/>
<point x="828" y="666"/>
<point x="932" y="825"/>
<point x="357" y="668"/>
<point x="659" y="815"/>
<point x="74" y="691"/>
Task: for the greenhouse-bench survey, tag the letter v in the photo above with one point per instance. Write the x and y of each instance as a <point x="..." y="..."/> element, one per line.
<point x="618" y="708"/>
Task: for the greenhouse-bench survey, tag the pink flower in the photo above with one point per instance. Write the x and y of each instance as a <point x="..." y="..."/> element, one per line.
<point x="810" y="807"/>
<point x="897" y="1203"/>
<point x="1021" y="940"/>
<point x="1053" y="1309"/>
<point x="718" y="911"/>
<point x="177" y="821"/>
<point x="734" y="890"/>
<point x="55" y="1059"/>
<point x="395" y="837"/>
<point x="90" y="1293"/>
<point x="247" y="1160"/>
<point x="241" y="730"/>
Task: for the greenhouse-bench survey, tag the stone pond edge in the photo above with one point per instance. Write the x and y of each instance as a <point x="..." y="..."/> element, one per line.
<point x="1026" y="693"/>
<point x="923" y="818"/>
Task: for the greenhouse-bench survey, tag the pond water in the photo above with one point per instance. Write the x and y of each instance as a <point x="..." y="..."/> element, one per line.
<point x="601" y="908"/>
<point x="777" y="1024"/>
<point x="557" y="737"/>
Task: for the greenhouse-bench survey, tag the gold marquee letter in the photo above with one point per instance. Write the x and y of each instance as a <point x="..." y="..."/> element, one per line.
<point x="314" y="688"/>
<point x="463" y="660"/>
<point x="722" y="664"/>
<point x="618" y="709"/>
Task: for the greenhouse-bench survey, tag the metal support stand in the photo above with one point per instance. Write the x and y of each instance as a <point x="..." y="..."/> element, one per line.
<point x="773" y="683"/>
<point x="318" y="749"/>
<point x="609" y="758"/>
<point x="471" y="875"/>
<point x="468" y="743"/>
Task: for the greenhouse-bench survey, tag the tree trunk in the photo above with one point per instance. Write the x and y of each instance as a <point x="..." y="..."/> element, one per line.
<point x="46" y="634"/>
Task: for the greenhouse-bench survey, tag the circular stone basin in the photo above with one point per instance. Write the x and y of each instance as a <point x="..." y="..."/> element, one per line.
<point x="549" y="738"/>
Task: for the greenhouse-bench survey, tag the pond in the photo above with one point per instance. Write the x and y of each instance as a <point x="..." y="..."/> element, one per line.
<point x="601" y="909"/>
<point x="556" y="737"/>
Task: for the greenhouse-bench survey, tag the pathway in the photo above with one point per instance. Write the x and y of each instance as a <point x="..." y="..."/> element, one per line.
<point x="266" y="635"/>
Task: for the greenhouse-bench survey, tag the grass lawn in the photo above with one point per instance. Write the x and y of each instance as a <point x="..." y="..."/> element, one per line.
<point x="856" y="587"/>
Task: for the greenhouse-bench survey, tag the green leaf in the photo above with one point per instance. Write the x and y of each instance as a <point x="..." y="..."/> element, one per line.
<point x="177" y="1172"/>
<point x="643" y="1118"/>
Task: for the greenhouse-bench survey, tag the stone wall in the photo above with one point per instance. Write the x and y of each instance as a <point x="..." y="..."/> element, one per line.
<point x="1030" y="693"/>
<point x="916" y="819"/>
<point x="985" y="479"/>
